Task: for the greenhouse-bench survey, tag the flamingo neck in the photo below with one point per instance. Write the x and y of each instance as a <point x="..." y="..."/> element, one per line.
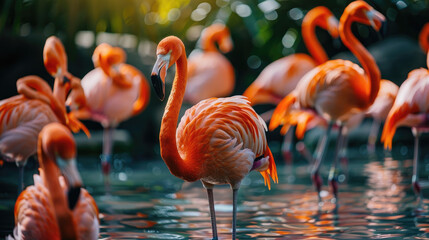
<point x="59" y="91"/>
<point x="208" y="43"/>
<point x="64" y="216"/>
<point x="309" y="36"/>
<point x="167" y="138"/>
<point x="366" y="60"/>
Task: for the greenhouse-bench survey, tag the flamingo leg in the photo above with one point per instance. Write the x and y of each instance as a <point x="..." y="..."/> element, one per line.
<point x="287" y="145"/>
<point x="21" y="179"/>
<point x="343" y="152"/>
<point x="373" y="133"/>
<point x="209" y="188"/>
<point x="303" y="150"/>
<point x="415" y="179"/>
<point x="333" y="173"/>
<point x="234" y="212"/>
<point x="315" y="177"/>
<point x="106" y="157"/>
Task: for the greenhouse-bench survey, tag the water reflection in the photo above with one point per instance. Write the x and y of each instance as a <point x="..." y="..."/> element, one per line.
<point x="376" y="202"/>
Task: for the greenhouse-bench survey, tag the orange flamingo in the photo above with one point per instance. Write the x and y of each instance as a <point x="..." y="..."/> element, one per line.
<point x="210" y="74"/>
<point x="411" y="109"/>
<point x="56" y="207"/>
<point x="23" y="116"/>
<point x="55" y="60"/>
<point x="218" y="140"/>
<point x="279" y="78"/>
<point x="337" y="89"/>
<point x="114" y="91"/>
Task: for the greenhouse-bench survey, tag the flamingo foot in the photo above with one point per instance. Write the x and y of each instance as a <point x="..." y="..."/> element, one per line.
<point x="333" y="182"/>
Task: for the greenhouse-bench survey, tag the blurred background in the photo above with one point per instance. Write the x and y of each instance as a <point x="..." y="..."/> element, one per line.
<point x="262" y="31"/>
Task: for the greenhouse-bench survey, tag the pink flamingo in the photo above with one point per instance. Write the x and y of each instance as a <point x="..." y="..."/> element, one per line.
<point x="210" y="74"/>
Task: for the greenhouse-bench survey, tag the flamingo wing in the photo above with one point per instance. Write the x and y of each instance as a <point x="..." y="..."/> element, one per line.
<point x="226" y="136"/>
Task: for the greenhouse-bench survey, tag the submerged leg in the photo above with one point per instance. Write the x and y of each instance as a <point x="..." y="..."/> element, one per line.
<point x="209" y="188"/>
<point x="315" y="177"/>
<point x="234" y="212"/>
<point x="343" y="152"/>
<point x="333" y="175"/>
<point x="415" y="179"/>
<point x="106" y="157"/>
<point x="21" y="179"/>
<point x="287" y="145"/>
<point x="373" y="133"/>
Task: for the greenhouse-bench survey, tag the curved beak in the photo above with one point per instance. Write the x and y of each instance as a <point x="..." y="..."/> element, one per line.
<point x="226" y="44"/>
<point x="159" y="72"/>
<point x="375" y="18"/>
<point x="69" y="170"/>
<point x="333" y="27"/>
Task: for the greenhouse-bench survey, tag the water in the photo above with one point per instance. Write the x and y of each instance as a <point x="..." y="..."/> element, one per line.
<point x="375" y="201"/>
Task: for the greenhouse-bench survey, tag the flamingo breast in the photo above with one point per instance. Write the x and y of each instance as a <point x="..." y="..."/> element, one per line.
<point x="224" y="136"/>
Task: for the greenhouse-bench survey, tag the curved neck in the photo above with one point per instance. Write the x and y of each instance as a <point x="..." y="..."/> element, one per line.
<point x="167" y="137"/>
<point x="310" y="40"/>
<point x="64" y="216"/>
<point x="366" y="60"/>
<point x="208" y="43"/>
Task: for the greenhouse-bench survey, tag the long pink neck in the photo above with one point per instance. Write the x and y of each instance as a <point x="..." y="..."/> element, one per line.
<point x="367" y="61"/>
<point x="64" y="216"/>
<point x="208" y="42"/>
<point x="167" y="138"/>
<point x="309" y="35"/>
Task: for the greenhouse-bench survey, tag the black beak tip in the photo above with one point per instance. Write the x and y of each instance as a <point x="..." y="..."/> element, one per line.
<point x="68" y="109"/>
<point x="73" y="197"/>
<point x="158" y="86"/>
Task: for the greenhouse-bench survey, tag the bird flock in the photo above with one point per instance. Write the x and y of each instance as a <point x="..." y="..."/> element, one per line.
<point x="221" y="138"/>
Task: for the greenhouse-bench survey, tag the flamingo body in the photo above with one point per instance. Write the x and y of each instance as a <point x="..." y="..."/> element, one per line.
<point x="21" y="121"/>
<point x="223" y="136"/>
<point x="384" y="101"/>
<point x="110" y="103"/>
<point x="411" y="105"/>
<point x="210" y="75"/>
<point x="279" y="78"/>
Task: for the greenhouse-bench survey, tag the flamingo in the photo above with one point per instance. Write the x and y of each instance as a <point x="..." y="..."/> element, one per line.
<point x="279" y="78"/>
<point x="218" y="140"/>
<point x="411" y="109"/>
<point x="210" y="74"/>
<point x="56" y="207"/>
<point x="55" y="61"/>
<point x="23" y="116"/>
<point x="337" y="89"/>
<point x="113" y="92"/>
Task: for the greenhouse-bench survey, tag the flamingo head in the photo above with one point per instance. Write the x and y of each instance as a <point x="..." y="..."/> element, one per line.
<point x="108" y="58"/>
<point x="57" y="142"/>
<point x="218" y="33"/>
<point x="54" y="57"/>
<point x="326" y="20"/>
<point x="168" y="52"/>
<point x="362" y="12"/>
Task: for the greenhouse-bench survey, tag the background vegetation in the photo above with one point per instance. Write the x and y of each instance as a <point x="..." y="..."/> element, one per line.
<point x="262" y="31"/>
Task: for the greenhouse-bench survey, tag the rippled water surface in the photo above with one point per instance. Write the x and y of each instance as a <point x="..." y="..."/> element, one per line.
<point x="146" y="201"/>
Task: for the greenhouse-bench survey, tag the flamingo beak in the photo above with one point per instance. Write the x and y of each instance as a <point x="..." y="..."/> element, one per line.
<point x="375" y="18"/>
<point x="226" y="45"/>
<point x="159" y="72"/>
<point x="71" y="174"/>
<point x="333" y="27"/>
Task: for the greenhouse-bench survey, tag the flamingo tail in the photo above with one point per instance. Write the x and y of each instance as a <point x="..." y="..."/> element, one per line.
<point x="271" y="171"/>
<point x="281" y="112"/>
